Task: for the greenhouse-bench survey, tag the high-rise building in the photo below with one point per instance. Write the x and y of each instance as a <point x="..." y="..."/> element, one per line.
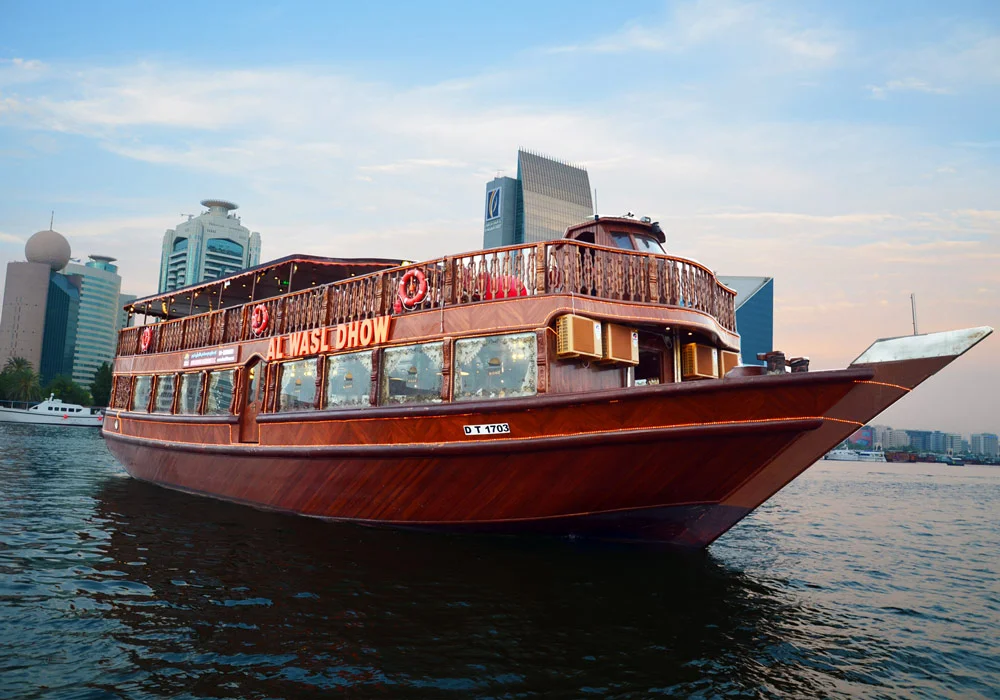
<point x="920" y="440"/>
<point x="97" y="327"/>
<point x="754" y="315"/>
<point x="896" y="439"/>
<point x="547" y="197"/>
<point x="881" y="433"/>
<point x="952" y="443"/>
<point x="206" y="247"/>
<point x="985" y="444"/>
<point x="40" y="307"/>
<point x="123" y="315"/>
<point x="62" y="310"/>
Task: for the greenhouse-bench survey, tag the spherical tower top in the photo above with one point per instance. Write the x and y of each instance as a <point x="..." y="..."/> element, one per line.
<point x="48" y="247"/>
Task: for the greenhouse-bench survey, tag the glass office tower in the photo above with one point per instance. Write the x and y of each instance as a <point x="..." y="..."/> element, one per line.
<point x="754" y="315"/>
<point x="97" y="322"/>
<point x="547" y="197"/>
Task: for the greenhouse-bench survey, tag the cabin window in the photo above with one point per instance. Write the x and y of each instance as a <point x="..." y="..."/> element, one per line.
<point x="298" y="386"/>
<point x="140" y="393"/>
<point x="411" y="374"/>
<point x="648" y="245"/>
<point x="648" y="370"/>
<point x="220" y="393"/>
<point x="349" y="380"/>
<point x="496" y="367"/>
<point x="164" y="394"/>
<point x="623" y="240"/>
<point x="190" y="391"/>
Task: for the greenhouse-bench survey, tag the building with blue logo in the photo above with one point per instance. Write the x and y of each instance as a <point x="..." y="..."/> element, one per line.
<point x="206" y="247"/>
<point x="547" y="196"/>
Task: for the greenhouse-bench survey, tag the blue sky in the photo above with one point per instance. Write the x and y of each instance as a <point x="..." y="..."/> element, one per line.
<point x="849" y="149"/>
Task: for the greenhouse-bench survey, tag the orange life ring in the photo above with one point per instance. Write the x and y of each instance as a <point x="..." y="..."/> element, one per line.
<point x="259" y="319"/>
<point x="404" y="284"/>
<point x="146" y="339"/>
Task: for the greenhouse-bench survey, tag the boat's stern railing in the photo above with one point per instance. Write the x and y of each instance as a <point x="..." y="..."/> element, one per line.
<point x="551" y="267"/>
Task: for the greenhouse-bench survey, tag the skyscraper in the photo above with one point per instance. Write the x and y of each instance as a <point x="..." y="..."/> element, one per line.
<point x="40" y="307"/>
<point x="123" y="315"/>
<point x="754" y="315"/>
<point x="984" y="444"/>
<point x="97" y="326"/>
<point x="547" y="197"/>
<point x="207" y="247"/>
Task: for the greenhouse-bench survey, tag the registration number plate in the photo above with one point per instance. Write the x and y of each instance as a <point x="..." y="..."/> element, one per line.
<point x="487" y="429"/>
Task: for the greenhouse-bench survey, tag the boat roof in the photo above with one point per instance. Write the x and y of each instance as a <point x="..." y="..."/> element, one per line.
<point x="269" y="279"/>
<point x="644" y="227"/>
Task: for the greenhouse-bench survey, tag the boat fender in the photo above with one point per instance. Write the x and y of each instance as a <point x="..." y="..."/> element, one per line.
<point x="404" y="285"/>
<point x="146" y="339"/>
<point x="259" y="319"/>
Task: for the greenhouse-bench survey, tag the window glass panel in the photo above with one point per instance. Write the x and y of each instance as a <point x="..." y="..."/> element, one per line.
<point x="190" y="393"/>
<point x="623" y="240"/>
<point x="256" y="390"/>
<point x="140" y="393"/>
<point x="224" y="246"/>
<point x="164" y="393"/>
<point x="411" y="374"/>
<point x="298" y="386"/>
<point x="220" y="393"/>
<point x="496" y="367"/>
<point x="649" y="245"/>
<point x="349" y="379"/>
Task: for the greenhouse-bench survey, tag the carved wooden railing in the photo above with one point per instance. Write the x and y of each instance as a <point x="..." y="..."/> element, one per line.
<point x="553" y="267"/>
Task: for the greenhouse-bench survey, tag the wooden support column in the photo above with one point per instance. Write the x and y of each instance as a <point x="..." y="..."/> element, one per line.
<point x="541" y="270"/>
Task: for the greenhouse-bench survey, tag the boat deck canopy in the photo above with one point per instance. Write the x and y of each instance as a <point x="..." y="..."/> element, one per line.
<point x="270" y="279"/>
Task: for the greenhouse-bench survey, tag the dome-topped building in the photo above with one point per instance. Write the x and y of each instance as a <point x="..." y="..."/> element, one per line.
<point x="49" y="248"/>
<point x="41" y="304"/>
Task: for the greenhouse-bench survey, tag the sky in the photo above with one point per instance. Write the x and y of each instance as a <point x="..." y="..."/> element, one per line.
<point x="851" y="150"/>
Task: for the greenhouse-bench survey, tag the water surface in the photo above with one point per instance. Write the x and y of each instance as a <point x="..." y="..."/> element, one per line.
<point x="873" y="580"/>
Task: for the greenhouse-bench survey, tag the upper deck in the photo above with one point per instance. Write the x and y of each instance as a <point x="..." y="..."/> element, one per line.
<point x="568" y="267"/>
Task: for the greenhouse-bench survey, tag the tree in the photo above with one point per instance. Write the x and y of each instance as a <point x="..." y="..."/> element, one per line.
<point x="100" y="389"/>
<point x="69" y="391"/>
<point x="17" y="364"/>
<point x="18" y="381"/>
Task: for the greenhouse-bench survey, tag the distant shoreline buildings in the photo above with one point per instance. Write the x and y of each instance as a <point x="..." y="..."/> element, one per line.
<point x="886" y="438"/>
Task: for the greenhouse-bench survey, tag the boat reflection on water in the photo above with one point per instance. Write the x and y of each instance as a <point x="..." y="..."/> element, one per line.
<point x="228" y="601"/>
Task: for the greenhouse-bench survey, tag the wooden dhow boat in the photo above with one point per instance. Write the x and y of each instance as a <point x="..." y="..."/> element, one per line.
<point x="587" y="386"/>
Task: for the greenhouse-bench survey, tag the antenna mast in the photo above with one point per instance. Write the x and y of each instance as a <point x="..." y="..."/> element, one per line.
<point x="913" y="308"/>
<point x="52" y="219"/>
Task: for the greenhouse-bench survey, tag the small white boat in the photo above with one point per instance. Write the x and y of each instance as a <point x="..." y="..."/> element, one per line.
<point x="842" y="455"/>
<point x="53" y="411"/>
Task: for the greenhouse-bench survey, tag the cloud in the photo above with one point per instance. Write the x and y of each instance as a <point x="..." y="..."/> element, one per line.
<point x="880" y="92"/>
<point x="413" y="164"/>
<point x="693" y="24"/>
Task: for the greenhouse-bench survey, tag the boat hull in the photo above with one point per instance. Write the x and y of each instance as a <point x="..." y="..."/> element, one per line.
<point x="675" y="464"/>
